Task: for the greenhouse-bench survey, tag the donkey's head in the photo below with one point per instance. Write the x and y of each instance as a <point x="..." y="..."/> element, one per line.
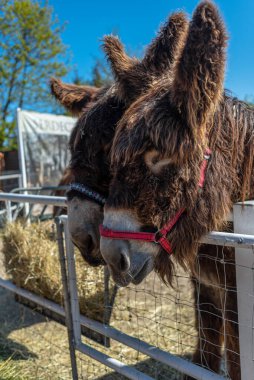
<point x="99" y="112"/>
<point x="157" y="156"/>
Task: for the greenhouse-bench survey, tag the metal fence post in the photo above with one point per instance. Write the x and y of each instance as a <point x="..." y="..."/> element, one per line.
<point x="21" y="152"/>
<point x="8" y="211"/>
<point x="72" y="281"/>
<point x="244" y="223"/>
<point x="67" y="303"/>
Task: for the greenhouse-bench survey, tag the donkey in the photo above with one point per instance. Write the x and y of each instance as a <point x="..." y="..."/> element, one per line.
<point x="99" y="111"/>
<point x="182" y="155"/>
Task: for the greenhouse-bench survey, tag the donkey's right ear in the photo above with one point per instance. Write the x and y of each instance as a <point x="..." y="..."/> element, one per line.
<point x="163" y="51"/>
<point x="73" y="97"/>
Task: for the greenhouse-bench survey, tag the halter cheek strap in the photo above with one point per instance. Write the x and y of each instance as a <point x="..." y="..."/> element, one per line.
<point x="159" y="237"/>
<point x="203" y="167"/>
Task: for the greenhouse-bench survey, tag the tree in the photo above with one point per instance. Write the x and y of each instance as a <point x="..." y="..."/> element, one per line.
<point x="101" y="75"/>
<point x="31" y="51"/>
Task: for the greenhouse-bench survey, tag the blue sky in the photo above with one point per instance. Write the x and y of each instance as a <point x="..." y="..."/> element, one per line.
<point x="136" y="22"/>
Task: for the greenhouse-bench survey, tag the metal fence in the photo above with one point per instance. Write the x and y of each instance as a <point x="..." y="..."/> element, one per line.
<point x="242" y="240"/>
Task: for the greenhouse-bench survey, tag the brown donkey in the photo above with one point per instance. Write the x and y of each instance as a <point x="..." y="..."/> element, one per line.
<point x="99" y="112"/>
<point x="165" y="179"/>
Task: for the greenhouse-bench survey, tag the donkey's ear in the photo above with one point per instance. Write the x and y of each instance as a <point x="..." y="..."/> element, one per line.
<point x="163" y="51"/>
<point x="199" y="74"/>
<point x="134" y="76"/>
<point x="73" y="97"/>
<point x="119" y="61"/>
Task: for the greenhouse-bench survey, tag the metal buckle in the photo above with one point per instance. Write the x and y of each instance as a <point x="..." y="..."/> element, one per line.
<point x="157" y="236"/>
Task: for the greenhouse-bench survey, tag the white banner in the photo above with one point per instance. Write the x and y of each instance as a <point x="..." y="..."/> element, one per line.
<point x="43" y="144"/>
<point x="40" y="123"/>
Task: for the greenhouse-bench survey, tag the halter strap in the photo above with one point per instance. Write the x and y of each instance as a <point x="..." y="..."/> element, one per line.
<point x="159" y="237"/>
<point x="93" y="195"/>
<point x="207" y="156"/>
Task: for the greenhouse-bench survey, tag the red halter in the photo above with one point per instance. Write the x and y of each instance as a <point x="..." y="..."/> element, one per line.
<point x="159" y="237"/>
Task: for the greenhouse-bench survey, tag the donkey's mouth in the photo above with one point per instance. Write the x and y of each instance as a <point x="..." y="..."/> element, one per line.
<point x="135" y="277"/>
<point x="89" y="251"/>
<point x="143" y="272"/>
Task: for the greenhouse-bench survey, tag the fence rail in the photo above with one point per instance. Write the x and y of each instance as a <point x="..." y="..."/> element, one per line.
<point x="217" y="238"/>
<point x="243" y="242"/>
<point x="40" y="199"/>
<point x="10" y="176"/>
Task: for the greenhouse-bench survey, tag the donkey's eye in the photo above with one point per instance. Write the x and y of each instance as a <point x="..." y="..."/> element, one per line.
<point x="157" y="164"/>
<point x="148" y="228"/>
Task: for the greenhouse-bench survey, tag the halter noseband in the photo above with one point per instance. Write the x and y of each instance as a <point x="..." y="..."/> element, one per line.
<point x="85" y="190"/>
<point x="159" y="237"/>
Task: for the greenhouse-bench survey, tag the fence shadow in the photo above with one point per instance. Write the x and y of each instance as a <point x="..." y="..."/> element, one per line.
<point x="14" y="316"/>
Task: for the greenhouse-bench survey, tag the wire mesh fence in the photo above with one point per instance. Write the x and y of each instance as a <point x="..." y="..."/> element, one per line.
<point x="199" y="315"/>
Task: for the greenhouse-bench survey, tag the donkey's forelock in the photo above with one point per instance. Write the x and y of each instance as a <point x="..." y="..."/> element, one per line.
<point x="174" y="115"/>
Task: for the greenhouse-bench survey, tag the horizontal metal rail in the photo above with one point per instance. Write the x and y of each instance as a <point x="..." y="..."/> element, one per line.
<point x="9" y="176"/>
<point x="40" y="199"/>
<point x="143" y="347"/>
<point x="229" y="239"/>
<point x="153" y="352"/>
<point x="217" y="238"/>
<point x="119" y="367"/>
<point x="30" y="296"/>
<point x="39" y="188"/>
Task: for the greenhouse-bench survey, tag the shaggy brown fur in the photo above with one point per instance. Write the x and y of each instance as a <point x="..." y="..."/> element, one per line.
<point x="177" y="119"/>
<point x="91" y="139"/>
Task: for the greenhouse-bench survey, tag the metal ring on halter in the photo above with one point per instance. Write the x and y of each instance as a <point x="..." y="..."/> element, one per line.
<point x="83" y="189"/>
<point x="157" y="236"/>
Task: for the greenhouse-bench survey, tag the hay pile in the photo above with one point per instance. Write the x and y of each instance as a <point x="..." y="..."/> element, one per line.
<point x="31" y="261"/>
<point x="9" y="371"/>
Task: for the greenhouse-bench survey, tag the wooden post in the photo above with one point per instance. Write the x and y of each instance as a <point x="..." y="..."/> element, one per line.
<point x="244" y="224"/>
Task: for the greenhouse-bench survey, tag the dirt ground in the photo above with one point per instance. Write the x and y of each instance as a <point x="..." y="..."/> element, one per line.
<point x="152" y="312"/>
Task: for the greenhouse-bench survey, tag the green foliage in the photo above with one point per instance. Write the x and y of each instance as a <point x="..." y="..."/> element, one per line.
<point x="101" y="75"/>
<point x="31" y="51"/>
<point x="8" y="138"/>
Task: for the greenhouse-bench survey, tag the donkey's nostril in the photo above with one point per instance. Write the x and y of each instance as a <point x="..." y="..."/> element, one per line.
<point x="116" y="254"/>
<point x="89" y="243"/>
<point x="124" y="262"/>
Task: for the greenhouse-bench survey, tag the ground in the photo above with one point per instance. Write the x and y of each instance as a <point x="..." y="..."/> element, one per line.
<point x="152" y="312"/>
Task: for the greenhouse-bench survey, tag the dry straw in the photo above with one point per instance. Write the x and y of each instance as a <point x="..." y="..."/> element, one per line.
<point x="31" y="260"/>
<point x="150" y="311"/>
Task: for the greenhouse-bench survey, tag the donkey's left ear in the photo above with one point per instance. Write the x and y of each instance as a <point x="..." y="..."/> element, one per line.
<point x="199" y="74"/>
<point x="73" y="97"/>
